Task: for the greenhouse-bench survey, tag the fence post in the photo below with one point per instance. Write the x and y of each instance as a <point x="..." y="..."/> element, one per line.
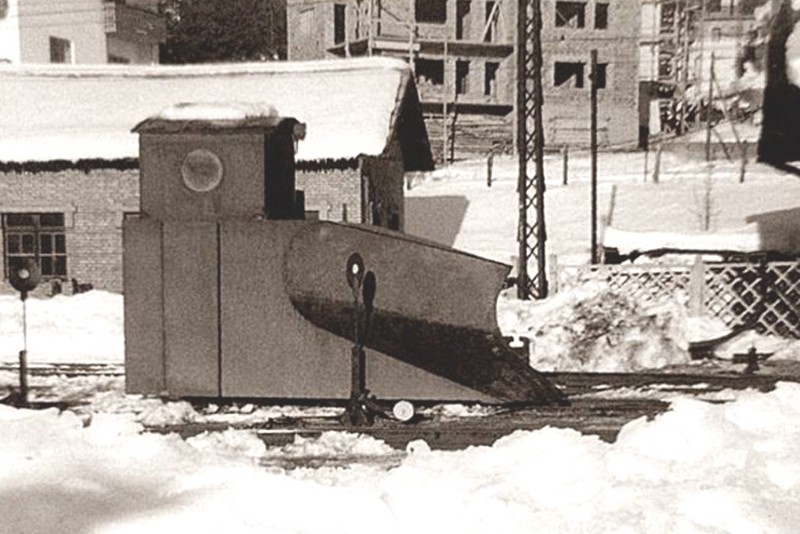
<point x="657" y="165"/>
<point x="744" y="162"/>
<point x="565" y="164"/>
<point x="489" y="161"/>
<point x="697" y="288"/>
<point x="553" y="266"/>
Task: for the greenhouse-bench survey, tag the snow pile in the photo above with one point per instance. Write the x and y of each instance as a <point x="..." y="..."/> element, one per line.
<point x="84" y="328"/>
<point x="596" y="329"/>
<point x="332" y="444"/>
<point x="699" y="468"/>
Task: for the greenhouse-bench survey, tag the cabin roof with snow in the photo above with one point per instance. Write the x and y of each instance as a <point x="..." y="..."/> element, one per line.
<point x="351" y="107"/>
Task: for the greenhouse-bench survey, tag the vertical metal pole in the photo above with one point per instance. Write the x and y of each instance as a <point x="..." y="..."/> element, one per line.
<point x="369" y="28"/>
<point x="685" y="60"/>
<point x="565" y="164"/>
<point x="522" y="149"/>
<point x="530" y="145"/>
<point x="445" y="79"/>
<point x="593" y="148"/>
<point x="23" y="354"/>
<point x="709" y="107"/>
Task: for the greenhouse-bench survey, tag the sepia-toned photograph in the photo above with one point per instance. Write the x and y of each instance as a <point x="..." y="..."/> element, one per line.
<point x="400" y="266"/>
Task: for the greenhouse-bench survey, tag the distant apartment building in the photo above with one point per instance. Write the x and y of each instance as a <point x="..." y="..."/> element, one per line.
<point x="463" y="57"/>
<point x="678" y="40"/>
<point x="80" y="31"/>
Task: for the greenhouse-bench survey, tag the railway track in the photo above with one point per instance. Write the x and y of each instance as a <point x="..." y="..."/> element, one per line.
<point x="593" y="410"/>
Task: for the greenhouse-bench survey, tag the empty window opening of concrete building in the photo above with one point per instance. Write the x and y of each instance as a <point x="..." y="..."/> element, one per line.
<point x="36" y="236"/>
<point x="462" y="77"/>
<point x="463" y="8"/>
<point x="568" y="74"/>
<point x="601" y="16"/>
<point x="339" y="14"/>
<point x="490" y="79"/>
<point x="429" y="71"/>
<point x="430" y="11"/>
<point x="60" y="50"/>
<point x="490" y="27"/>
<point x="713" y="6"/>
<point x="571" y="14"/>
<point x="601" y="75"/>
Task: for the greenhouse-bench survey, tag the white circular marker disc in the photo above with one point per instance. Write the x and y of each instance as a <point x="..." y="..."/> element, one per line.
<point x="403" y="410"/>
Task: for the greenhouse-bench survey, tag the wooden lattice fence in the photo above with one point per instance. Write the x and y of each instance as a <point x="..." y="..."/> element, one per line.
<point x="764" y="296"/>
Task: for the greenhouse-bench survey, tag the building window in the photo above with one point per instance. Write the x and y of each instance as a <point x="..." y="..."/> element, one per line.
<point x="429" y="71"/>
<point x="568" y="75"/>
<point x="490" y="79"/>
<point x="462" y="17"/>
<point x="490" y="30"/>
<point x="338" y="23"/>
<point x="600" y="83"/>
<point x="119" y="60"/>
<point x="601" y="16"/>
<point x="462" y="77"/>
<point x="377" y="214"/>
<point x="38" y="236"/>
<point x="713" y="6"/>
<point x="60" y="50"/>
<point x="570" y="14"/>
<point x="394" y="217"/>
<point x="430" y="11"/>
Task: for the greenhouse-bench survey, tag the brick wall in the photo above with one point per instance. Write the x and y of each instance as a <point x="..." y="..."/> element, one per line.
<point x="93" y="205"/>
<point x="328" y="191"/>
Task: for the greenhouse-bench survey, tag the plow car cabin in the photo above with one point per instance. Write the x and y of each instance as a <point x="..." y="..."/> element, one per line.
<point x="69" y="169"/>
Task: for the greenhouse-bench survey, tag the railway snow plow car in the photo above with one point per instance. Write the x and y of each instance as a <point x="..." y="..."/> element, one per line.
<point x="230" y="293"/>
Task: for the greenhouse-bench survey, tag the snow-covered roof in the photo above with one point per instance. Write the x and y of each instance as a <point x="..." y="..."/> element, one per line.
<point x="351" y="107"/>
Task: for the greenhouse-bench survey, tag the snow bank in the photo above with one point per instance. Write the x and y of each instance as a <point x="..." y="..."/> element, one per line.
<point x="592" y="328"/>
<point x="698" y="468"/>
<point x="85" y="328"/>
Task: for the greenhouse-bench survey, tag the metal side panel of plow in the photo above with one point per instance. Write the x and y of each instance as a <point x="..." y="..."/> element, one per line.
<point x="144" y="317"/>
<point x="270" y="350"/>
<point x="191" y="308"/>
<point x="434" y="308"/>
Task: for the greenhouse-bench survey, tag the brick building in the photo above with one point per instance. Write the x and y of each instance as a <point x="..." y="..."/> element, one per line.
<point x="68" y="160"/>
<point x="462" y="52"/>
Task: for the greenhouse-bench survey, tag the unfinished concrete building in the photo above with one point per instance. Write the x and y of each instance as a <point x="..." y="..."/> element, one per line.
<point x="462" y="52"/>
<point x="678" y="39"/>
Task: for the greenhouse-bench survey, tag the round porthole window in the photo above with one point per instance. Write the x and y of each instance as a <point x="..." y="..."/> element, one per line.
<point x="201" y="170"/>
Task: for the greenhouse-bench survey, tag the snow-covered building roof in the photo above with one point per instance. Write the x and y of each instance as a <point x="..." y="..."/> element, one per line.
<point x="352" y="107"/>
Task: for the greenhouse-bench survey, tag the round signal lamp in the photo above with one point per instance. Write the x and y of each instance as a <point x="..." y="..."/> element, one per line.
<point x="201" y="170"/>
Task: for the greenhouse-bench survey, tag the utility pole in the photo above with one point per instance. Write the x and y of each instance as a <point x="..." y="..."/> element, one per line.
<point x="444" y="96"/>
<point x="709" y="107"/>
<point x="530" y="149"/>
<point x="593" y="148"/>
<point x="370" y="36"/>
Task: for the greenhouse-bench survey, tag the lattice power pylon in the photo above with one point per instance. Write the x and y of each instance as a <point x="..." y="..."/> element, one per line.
<point x="531" y="273"/>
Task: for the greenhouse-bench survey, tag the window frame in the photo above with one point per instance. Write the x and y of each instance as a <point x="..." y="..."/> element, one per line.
<point x="48" y="242"/>
<point x="339" y="23"/>
<point x="430" y="11"/>
<point x="562" y="21"/>
<point x="601" y="11"/>
<point x="61" y="50"/>
<point x="579" y="74"/>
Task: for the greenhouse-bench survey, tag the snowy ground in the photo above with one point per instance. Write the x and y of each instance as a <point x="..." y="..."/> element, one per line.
<point x="705" y="466"/>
